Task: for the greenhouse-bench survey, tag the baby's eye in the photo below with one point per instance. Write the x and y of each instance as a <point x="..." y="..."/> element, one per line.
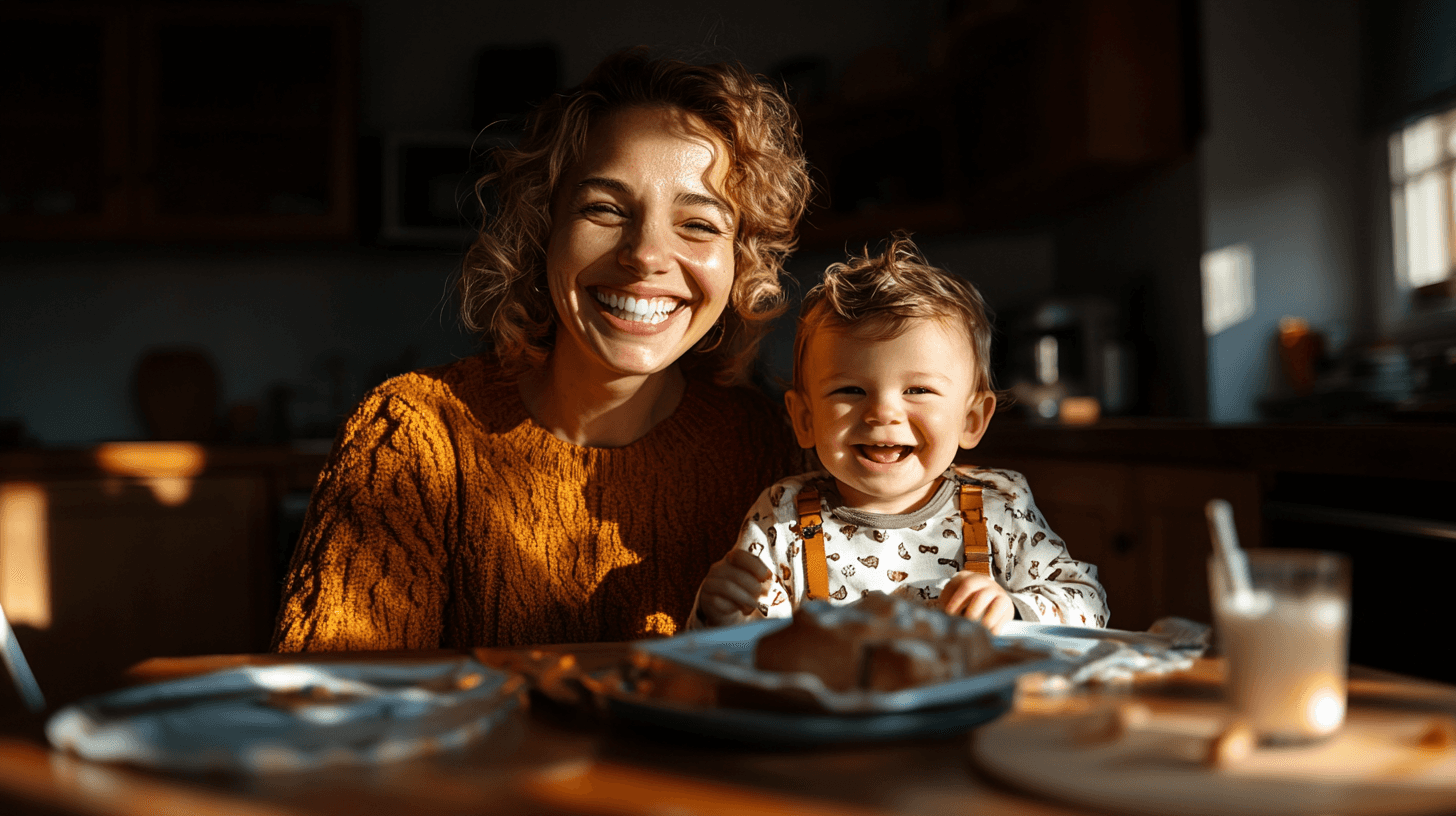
<point x="848" y="389"/>
<point x="918" y="389"/>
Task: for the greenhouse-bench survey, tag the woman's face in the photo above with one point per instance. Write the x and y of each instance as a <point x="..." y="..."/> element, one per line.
<point x="640" y="259"/>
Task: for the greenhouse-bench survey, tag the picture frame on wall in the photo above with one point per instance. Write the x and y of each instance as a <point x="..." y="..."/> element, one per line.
<point x="429" y="186"/>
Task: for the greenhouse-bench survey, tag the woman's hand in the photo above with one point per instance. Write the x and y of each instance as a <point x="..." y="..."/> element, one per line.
<point x="733" y="588"/>
<point x="978" y="597"/>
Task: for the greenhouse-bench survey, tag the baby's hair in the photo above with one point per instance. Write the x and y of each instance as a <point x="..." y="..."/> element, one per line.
<point x="879" y="295"/>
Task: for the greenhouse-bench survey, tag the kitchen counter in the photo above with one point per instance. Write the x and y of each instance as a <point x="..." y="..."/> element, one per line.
<point x="293" y="467"/>
<point x="1394" y="451"/>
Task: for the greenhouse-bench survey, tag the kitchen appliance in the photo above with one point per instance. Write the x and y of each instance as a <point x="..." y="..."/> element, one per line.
<point x="1068" y="347"/>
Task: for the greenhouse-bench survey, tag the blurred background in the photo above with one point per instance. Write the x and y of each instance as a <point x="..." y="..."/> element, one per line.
<point x="1217" y="236"/>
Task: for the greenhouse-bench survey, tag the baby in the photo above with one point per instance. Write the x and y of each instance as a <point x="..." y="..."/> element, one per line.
<point x="891" y="379"/>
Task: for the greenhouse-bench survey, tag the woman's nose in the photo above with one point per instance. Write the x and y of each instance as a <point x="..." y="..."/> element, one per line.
<point x="646" y="249"/>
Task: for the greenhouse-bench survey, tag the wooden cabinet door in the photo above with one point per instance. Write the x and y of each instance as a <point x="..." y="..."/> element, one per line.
<point x="245" y="121"/>
<point x="64" y="101"/>
<point x="1086" y="505"/>
<point x="1167" y="506"/>
<point x="130" y="577"/>
<point x="1143" y="526"/>
<point x="177" y="121"/>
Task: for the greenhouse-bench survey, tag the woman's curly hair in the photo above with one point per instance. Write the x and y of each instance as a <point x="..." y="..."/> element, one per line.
<point x="880" y="294"/>
<point x="504" y="296"/>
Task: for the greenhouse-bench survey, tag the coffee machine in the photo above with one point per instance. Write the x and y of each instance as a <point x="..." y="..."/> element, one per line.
<point x="1065" y="361"/>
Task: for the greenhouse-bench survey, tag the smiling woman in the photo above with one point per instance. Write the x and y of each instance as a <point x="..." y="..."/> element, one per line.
<point x="575" y="481"/>
<point x="635" y="223"/>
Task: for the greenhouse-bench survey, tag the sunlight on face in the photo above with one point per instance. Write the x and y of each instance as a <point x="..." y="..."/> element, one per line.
<point x="640" y="260"/>
<point x="887" y="416"/>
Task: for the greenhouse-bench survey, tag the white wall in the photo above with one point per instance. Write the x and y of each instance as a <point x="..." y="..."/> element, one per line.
<point x="1284" y="170"/>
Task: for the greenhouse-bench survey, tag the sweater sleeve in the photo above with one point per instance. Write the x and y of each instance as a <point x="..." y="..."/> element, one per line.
<point x="371" y="567"/>
<point x="1046" y="584"/>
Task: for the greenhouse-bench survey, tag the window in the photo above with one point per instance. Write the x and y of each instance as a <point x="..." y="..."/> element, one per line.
<point x="1228" y="287"/>
<point x="1422" y="184"/>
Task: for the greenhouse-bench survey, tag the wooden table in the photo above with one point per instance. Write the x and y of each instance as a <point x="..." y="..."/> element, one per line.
<point x="552" y="760"/>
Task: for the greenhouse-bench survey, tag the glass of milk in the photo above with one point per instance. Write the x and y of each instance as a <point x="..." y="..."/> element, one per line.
<point x="1285" y="641"/>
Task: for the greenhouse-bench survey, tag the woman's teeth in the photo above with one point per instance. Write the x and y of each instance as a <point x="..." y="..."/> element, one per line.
<point x="641" y="310"/>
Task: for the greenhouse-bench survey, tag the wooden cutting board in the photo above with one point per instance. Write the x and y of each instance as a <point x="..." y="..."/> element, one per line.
<point x="1375" y="765"/>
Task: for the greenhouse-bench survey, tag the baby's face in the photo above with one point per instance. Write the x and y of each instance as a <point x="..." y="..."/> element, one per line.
<point x="887" y="416"/>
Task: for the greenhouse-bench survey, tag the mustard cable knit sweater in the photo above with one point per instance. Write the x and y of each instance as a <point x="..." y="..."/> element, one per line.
<point x="445" y="516"/>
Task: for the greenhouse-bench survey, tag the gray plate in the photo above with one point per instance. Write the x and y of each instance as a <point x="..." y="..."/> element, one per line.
<point x="727" y="653"/>
<point x="766" y="728"/>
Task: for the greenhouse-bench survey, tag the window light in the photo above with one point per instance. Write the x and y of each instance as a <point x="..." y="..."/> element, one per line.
<point x="1228" y="287"/>
<point x="1423" y="185"/>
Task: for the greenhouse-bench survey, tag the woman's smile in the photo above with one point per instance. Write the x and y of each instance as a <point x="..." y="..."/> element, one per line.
<point x="641" y="258"/>
<point x="637" y="314"/>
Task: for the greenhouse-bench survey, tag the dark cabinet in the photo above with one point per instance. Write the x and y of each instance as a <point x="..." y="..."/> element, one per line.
<point x="1025" y="110"/>
<point x="164" y="122"/>
<point x="1143" y="525"/>
<point x="64" y="105"/>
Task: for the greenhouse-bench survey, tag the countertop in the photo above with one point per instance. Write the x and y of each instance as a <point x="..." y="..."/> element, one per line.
<point x="1411" y="451"/>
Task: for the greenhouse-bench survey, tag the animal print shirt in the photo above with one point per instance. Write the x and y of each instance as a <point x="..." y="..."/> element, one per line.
<point x="913" y="555"/>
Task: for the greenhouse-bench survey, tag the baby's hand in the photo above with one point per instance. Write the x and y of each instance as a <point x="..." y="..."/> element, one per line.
<point x="733" y="587"/>
<point x="978" y="597"/>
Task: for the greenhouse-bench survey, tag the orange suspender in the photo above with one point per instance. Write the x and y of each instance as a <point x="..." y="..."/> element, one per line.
<point x="974" y="543"/>
<point x="974" y="540"/>
<point x="811" y="527"/>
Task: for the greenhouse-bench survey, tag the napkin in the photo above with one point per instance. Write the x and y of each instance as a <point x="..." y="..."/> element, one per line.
<point x="1112" y="656"/>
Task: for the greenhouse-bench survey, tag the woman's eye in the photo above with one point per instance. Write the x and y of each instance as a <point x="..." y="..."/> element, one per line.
<point x="601" y="208"/>
<point x="704" y="227"/>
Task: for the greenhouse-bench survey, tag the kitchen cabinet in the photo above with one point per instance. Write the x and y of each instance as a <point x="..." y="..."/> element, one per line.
<point x="100" y="569"/>
<point x="1142" y="525"/>
<point x="177" y="121"/>
<point x="1128" y="495"/>
<point x="124" y="577"/>
<point x="1026" y="110"/>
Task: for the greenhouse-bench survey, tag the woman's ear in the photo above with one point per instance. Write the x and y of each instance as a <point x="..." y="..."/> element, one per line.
<point x="801" y="416"/>
<point x="978" y="416"/>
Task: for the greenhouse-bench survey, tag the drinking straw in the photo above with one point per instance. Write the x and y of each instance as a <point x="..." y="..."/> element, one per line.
<point x="14" y="660"/>
<point x="1226" y="544"/>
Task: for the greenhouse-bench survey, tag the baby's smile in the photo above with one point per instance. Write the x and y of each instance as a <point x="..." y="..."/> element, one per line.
<point x="884" y="454"/>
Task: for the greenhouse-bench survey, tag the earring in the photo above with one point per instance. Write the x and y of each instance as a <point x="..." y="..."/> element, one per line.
<point x="716" y="333"/>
